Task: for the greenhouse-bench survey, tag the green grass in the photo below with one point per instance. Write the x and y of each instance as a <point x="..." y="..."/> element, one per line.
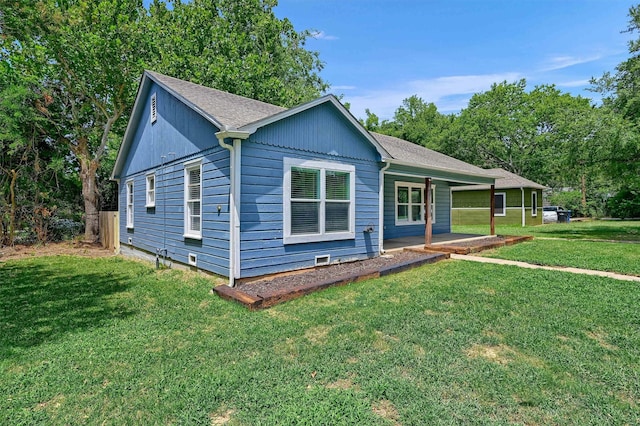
<point x="113" y="341"/>
<point x="593" y="230"/>
<point x="600" y="256"/>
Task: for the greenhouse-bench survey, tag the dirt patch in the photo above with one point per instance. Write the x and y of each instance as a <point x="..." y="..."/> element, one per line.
<point x="500" y="354"/>
<point x="66" y="248"/>
<point x="386" y="410"/>
<point x="600" y="338"/>
<point x="221" y="417"/>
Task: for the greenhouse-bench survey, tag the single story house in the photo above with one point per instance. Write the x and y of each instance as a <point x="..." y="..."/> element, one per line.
<point x="242" y="188"/>
<point x="517" y="201"/>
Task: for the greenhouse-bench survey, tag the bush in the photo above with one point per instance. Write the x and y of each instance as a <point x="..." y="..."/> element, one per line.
<point x="64" y="229"/>
<point x="625" y="204"/>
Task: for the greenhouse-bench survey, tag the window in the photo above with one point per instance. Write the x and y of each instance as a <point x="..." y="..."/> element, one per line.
<point x="500" y="204"/>
<point x="410" y="203"/>
<point x="151" y="190"/>
<point x="130" y="204"/>
<point x="193" y="199"/>
<point x="153" y="113"/>
<point x="319" y="201"/>
<point x="534" y="203"/>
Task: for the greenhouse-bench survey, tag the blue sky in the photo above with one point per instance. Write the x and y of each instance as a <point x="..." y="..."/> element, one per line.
<point x="379" y="52"/>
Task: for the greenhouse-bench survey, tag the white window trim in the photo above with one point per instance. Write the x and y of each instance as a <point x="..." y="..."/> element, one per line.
<point x="534" y="203"/>
<point x="190" y="165"/>
<point x="149" y="191"/>
<point x="399" y="222"/>
<point x="153" y="105"/>
<point x="504" y="204"/>
<point x="130" y="204"/>
<point x="323" y="166"/>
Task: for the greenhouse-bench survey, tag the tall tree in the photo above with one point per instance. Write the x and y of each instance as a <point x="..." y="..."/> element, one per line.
<point x="91" y="56"/>
<point x="238" y="46"/>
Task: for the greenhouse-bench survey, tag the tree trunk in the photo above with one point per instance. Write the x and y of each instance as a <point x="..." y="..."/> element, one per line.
<point x="90" y="194"/>
<point x="12" y="215"/>
<point x="583" y="190"/>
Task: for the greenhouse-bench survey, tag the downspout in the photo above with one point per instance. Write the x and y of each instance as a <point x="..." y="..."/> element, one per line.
<point x="524" y="217"/>
<point x="381" y="208"/>
<point x="234" y="198"/>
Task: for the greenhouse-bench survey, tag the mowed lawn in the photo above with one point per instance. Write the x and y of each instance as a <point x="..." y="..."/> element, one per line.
<point x="586" y="245"/>
<point x="113" y="341"/>
<point x="610" y="230"/>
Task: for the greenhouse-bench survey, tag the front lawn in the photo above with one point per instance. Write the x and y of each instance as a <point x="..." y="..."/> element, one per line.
<point x="114" y="341"/>
<point x="601" y="256"/>
<point x="593" y="229"/>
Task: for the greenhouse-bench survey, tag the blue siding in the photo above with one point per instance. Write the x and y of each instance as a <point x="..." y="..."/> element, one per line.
<point x="316" y="134"/>
<point x="443" y="209"/>
<point x="181" y="131"/>
<point x="178" y="132"/>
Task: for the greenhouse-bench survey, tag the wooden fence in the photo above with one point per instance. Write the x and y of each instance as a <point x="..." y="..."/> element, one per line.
<point x="110" y="230"/>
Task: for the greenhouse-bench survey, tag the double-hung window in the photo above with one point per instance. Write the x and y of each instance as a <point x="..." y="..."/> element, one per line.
<point x="151" y="190"/>
<point x="319" y="201"/>
<point x="130" y="204"/>
<point x="193" y="199"/>
<point x="410" y="203"/>
<point x="500" y="204"/>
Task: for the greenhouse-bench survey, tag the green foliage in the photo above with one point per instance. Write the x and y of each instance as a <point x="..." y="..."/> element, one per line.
<point x="238" y="46"/>
<point x="113" y="341"/>
<point x="625" y="204"/>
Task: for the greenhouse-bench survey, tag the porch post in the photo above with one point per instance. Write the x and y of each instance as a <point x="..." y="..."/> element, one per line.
<point x="492" y="209"/>
<point x="427" y="211"/>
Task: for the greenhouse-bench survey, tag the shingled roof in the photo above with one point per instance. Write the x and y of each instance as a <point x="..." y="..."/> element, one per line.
<point x="232" y="112"/>
<point x="410" y="153"/>
<point x="228" y="110"/>
<point x="506" y="180"/>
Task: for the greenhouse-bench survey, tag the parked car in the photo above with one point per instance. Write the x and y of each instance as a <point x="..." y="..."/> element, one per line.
<point x="549" y="214"/>
<point x="553" y="214"/>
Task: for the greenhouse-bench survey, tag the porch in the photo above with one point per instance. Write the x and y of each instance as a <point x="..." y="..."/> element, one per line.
<point x="395" y="244"/>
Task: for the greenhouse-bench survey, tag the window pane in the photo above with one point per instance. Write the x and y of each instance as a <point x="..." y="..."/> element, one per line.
<point x="194" y="192"/>
<point x="416" y="195"/>
<point x="403" y="194"/>
<point x="305" y="183"/>
<point x="195" y="223"/>
<point x="337" y="184"/>
<point x="416" y="215"/>
<point x="403" y="212"/>
<point x="152" y="182"/>
<point x="336" y="217"/>
<point x="499" y="200"/>
<point x="305" y="217"/>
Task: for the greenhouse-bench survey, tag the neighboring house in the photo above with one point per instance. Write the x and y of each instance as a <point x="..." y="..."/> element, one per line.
<point x="243" y="188"/>
<point x="514" y="198"/>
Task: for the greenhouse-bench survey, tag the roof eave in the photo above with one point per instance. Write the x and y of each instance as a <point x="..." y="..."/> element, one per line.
<point x="441" y="169"/>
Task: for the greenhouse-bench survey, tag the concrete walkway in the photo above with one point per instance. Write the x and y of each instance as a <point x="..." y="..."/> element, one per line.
<point x="549" y="268"/>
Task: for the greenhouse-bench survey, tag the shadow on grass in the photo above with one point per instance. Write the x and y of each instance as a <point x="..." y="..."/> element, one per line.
<point x="41" y="301"/>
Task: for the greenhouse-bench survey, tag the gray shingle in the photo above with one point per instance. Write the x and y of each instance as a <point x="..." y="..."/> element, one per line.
<point x="231" y="111"/>
<point x="411" y="153"/>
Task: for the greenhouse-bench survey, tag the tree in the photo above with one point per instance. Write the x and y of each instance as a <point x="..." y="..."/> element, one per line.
<point x="91" y="55"/>
<point x="238" y="46"/>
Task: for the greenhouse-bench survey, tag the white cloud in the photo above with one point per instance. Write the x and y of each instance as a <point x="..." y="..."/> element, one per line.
<point x="321" y="35"/>
<point x="343" y="87"/>
<point x="560" y="62"/>
<point x="450" y="94"/>
<point x="574" y="83"/>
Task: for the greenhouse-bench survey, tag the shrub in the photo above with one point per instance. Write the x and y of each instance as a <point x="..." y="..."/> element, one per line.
<point x="625" y="204"/>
